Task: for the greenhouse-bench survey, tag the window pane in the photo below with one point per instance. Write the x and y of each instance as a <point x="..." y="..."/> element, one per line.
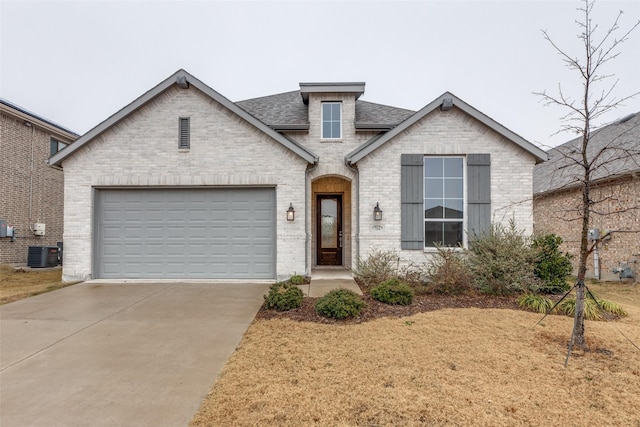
<point x="453" y="167"/>
<point x="433" y="167"/>
<point x="335" y="130"/>
<point x="432" y="234"/>
<point x="433" y="208"/>
<point x="326" y="112"/>
<point x="433" y="188"/>
<point x="453" y="188"/>
<point x="326" y="130"/>
<point x="335" y="111"/>
<point x="453" y="208"/>
<point x="452" y="233"/>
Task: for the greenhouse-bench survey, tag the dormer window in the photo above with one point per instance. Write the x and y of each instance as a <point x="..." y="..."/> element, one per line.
<point x="331" y="120"/>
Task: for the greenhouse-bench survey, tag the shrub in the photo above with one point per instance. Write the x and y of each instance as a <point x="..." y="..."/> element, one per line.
<point x="297" y="280"/>
<point x="340" y="304"/>
<point x="552" y="267"/>
<point x="283" y="296"/>
<point x="393" y="292"/>
<point x="448" y="273"/>
<point x="377" y="267"/>
<point x="535" y="302"/>
<point x="502" y="261"/>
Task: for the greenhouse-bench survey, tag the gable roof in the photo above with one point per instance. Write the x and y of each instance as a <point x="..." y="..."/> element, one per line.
<point x="445" y="101"/>
<point x="24" y="114"/>
<point x="618" y="143"/>
<point x="289" y="112"/>
<point x="182" y="79"/>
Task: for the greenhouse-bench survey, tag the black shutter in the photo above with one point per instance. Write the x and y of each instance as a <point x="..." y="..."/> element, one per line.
<point x="412" y="201"/>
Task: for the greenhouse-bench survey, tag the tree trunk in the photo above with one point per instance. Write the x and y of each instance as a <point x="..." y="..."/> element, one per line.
<point x="578" y="320"/>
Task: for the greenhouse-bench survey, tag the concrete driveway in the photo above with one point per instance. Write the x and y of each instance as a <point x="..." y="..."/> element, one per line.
<point x="119" y="354"/>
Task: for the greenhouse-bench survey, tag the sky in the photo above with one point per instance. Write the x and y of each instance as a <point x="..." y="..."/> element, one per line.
<point x="78" y="62"/>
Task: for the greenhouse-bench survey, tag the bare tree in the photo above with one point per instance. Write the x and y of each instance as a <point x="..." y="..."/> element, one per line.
<point x="583" y="114"/>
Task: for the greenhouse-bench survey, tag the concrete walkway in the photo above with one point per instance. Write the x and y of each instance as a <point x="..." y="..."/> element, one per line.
<point x="325" y="279"/>
<point x="119" y="354"/>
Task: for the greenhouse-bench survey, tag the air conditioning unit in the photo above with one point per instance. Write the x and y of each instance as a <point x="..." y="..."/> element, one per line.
<point x="42" y="256"/>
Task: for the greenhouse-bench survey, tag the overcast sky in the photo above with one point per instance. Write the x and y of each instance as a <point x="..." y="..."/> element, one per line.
<point x="78" y="62"/>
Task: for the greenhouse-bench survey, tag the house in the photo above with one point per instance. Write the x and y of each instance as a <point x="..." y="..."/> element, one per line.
<point x="183" y="183"/>
<point x="31" y="192"/>
<point x="616" y="189"/>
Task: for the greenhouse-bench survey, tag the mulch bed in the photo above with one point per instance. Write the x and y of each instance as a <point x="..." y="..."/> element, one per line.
<point x="376" y="309"/>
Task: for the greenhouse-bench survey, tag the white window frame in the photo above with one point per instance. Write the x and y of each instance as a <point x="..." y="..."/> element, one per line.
<point x="322" y="136"/>
<point x="462" y="220"/>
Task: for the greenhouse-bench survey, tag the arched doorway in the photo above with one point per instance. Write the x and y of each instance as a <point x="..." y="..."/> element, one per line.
<point x="331" y="220"/>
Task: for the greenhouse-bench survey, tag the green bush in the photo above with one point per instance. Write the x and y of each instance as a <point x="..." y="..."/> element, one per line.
<point x="552" y="267"/>
<point x="591" y="309"/>
<point x="297" y="280"/>
<point x="377" y="267"/>
<point x="448" y="273"/>
<point x="283" y="296"/>
<point x="340" y="304"/>
<point x="502" y="261"/>
<point x="393" y="292"/>
<point x="535" y="302"/>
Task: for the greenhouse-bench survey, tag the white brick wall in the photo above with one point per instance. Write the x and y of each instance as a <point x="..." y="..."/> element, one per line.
<point x="441" y="133"/>
<point x="142" y="150"/>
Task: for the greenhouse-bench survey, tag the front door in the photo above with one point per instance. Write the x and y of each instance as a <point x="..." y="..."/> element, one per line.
<point x="329" y="229"/>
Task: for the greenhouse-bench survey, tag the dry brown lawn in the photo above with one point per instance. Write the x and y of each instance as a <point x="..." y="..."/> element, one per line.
<point x="19" y="284"/>
<point x="468" y="366"/>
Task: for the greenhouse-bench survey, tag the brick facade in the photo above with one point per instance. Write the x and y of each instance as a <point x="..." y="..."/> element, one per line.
<point x="558" y="213"/>
<point x="31" y="191"/>
<point x="442" y="133"/>
<point x="140" y="149"/>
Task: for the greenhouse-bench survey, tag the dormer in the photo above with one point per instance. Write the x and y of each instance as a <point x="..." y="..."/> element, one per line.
<point x="332" y="108"/>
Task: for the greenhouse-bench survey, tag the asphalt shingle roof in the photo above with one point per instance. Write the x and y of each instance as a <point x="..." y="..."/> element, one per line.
<point x="618" y="148"/>
<point x="289" y="109"/>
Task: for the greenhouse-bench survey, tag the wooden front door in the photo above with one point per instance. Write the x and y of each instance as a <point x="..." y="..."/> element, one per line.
<point x="329" y="229"/>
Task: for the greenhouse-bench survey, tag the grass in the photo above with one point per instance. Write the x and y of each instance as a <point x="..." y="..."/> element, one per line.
<point x="484" y="367"/>
<point x="19" y="284"/>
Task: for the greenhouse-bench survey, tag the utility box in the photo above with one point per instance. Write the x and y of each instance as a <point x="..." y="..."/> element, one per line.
<point x="42" y="256"/>
<point x="594" y="234"/>
<point x="3" y="228"/>
<point x="39" y="229"/>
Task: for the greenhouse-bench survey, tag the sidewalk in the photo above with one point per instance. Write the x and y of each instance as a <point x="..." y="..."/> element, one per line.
<point x="325" y="279"/>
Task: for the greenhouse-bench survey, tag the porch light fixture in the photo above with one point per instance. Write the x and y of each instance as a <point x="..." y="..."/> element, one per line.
<point x="377" y="213"/>
<point x="291" y="213"/>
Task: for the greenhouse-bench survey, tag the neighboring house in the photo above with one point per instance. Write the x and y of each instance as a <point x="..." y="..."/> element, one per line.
<point x="183" y="183"/>
<point x="616" y="188"/>
<point x="30" y="190"/>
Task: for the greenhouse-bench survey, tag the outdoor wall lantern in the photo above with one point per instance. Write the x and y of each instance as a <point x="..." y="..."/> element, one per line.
<point x="377" y="213"/>
<point x="291" y="213"/>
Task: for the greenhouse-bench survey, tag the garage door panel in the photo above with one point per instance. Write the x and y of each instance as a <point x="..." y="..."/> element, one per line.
<point x="190" y="233"/>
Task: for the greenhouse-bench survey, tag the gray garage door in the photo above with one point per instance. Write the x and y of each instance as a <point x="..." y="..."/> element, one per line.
<point x="206" y="233"/>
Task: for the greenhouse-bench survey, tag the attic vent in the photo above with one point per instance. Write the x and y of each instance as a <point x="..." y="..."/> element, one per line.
<point x="447" y="104"/>
<point x="184" y="133"/>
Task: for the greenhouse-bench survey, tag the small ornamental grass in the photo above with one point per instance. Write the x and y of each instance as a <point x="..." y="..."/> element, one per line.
<point x="340" y="304"/>
<point x="283" y="296"/>
<point x="535" y="302"/>
<point x="591" y="309"/>
<point x="393" y="292"/>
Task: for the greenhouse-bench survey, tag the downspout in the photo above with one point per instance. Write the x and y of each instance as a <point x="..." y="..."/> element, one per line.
<point x="307" y="217"/>
<point x="356" y="245"/>
<point x="31" y="179"/>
